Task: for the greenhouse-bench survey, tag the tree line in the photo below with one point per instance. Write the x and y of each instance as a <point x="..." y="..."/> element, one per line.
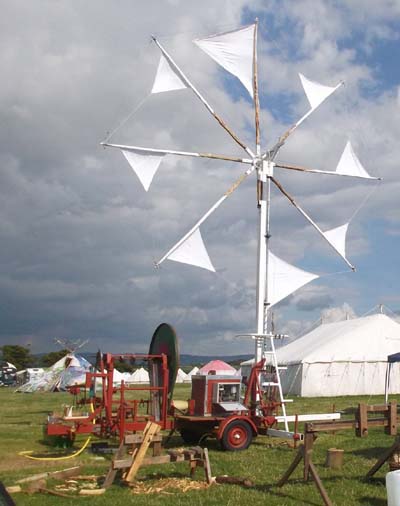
<point x="21" y="356"/>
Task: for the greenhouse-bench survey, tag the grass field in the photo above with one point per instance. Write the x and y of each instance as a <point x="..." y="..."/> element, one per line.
<point x="22" y="417"/>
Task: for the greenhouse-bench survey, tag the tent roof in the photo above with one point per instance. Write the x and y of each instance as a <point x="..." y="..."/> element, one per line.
<point x="368" y="339"/>
<point x="217" y="366"/>
<point x="71" y="360"/>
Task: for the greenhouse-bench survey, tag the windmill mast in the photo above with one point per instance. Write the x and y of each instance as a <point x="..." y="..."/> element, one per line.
<point x="263" y="205"/>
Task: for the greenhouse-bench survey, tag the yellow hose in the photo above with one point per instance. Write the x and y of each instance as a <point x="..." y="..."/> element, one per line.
<point x="64" y="457"/>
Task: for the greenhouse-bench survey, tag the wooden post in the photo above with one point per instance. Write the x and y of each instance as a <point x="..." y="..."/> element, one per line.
<point x="384" y="457"/>
<point x="296" y="461"/>
<point x="392" y="419"/>
<point x="362" y="419"/>
<point x="320" y="487"/>
<point x="308" y="448"/>
<point x="207" y="466"/>
<point x="334" y="458"/>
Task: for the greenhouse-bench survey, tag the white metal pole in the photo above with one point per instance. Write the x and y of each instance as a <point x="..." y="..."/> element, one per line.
<point x="261" y="266"/>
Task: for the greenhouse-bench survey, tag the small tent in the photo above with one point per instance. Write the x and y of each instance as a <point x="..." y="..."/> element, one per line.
<point x="69" y="370"/>
<point x="182" y="377"/>
<point x="140" y="376"/>
<point x="342" y="358"/>
<point x="194" y="371"/>
<point x="220" y="368"/>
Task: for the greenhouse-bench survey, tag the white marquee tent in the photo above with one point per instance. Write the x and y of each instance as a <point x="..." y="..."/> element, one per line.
<point x="140" y="376"/>
<point x="194" y="371"/>
<point x="182" y="377"/>
<point x="342" y="358"/>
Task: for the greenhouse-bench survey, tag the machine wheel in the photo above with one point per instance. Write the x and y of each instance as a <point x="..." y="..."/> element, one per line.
<point x="189" y="437"/>
<point x="237" y="436"/>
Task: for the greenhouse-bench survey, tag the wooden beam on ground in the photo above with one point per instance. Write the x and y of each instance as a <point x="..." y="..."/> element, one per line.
<point x="58" y="475"/>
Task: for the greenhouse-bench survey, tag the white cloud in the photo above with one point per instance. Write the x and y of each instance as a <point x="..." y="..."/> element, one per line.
<point x="78" y="234"/>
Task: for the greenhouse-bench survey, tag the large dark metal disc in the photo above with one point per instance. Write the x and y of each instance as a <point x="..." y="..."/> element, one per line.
<point x="164" y="340"/>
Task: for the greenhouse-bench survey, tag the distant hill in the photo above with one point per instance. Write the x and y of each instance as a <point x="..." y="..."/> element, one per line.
<point x="185" y="360"/>
<point x="191" y="359"/>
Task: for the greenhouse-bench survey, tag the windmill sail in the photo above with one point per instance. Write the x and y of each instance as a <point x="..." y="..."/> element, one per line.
<point x="350" y="165"/>
<point x="316" y="93"/>
<point x="284" y="279"/>
<point x="166" y="78"/>
<point x="144" y="164"/>
<point x="234" y="52"/>
<point x="193" y="252"/>
<point x="337" y="238"/>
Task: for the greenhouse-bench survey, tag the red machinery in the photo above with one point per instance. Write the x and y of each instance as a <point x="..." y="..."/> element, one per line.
<point x="217" y="408"/>
<point x="119" y="409"/>
<point x="220" y="406"/>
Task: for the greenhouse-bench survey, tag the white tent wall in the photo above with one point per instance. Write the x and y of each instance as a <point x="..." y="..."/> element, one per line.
<point x="342" y="358"/>
<point x="339" y="378"/>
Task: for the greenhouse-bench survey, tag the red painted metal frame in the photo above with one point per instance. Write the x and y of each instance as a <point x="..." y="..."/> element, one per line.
<point x="113" y="414"/>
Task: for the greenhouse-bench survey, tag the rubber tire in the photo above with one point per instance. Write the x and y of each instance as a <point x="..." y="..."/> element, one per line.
<point x="189" y="437"/>
<point x="237" y="436"/>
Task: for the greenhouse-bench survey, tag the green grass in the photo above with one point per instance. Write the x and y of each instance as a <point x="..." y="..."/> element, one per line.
<point x="22" y="417"/>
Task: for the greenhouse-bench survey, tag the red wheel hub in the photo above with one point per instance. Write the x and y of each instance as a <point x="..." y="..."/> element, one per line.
<point x="237" y="436"/>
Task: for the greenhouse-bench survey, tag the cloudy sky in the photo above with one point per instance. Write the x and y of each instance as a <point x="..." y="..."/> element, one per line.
<point x="79" y="235"/>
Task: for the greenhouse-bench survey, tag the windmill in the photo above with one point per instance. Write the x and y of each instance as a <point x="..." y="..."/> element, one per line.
<point x="236" y="52"/>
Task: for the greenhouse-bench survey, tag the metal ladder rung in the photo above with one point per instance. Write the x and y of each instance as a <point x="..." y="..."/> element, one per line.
<point x="270" y="351"/>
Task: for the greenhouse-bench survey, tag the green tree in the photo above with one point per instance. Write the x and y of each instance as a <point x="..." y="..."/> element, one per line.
<point x="51" y="358"/>
<point x="124" y="366"/>
<point x="18" y="355"/>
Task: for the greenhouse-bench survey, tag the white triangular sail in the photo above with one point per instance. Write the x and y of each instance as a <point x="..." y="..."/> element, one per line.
<point x="316" y="93"/>
<point x="337" y="238"/>
<point x="350" y="165"/>
<point x="145" y="165"/>
<point x="193" y="252"/>
<point x="166" y="78"/>
<point x="284" y="279"/>
<point x="234" y="52"/>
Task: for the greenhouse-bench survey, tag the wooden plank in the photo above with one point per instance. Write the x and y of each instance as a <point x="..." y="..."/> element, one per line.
<point x="65" y="473"/>
<point x="148" y="461"/>
<point x="376" y="408"/>
<point x="45" y="490"/>
<point x="138" y="438"/>
<point x="150" y="430"/>
<point x="112" y="472"/>
<point x="207" y="467"/>
<point x="344" y="425"/>
<point x="92" y="491"/>
<point x="319" y="484"/>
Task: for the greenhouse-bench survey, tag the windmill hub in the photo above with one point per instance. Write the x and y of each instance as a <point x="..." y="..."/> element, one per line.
<point x="265" y="168"/>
